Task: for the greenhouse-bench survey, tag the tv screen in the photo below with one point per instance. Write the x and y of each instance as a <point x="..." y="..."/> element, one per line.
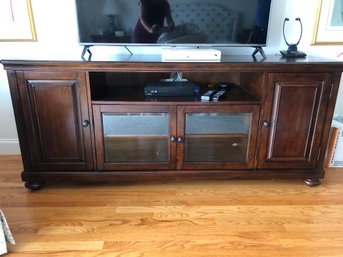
<point x="173" y="22"/>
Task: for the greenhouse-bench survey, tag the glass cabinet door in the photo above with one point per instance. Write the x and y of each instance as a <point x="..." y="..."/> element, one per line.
<point x="222" y="137"/>
<point x="134" y="137"/>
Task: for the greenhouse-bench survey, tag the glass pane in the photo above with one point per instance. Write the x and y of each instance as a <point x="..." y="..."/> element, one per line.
<point x="217" y="137"/>
<point x="136" y="137"/>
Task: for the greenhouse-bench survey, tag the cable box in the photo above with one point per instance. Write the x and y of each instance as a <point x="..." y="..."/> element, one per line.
<point x="171" y="89"/>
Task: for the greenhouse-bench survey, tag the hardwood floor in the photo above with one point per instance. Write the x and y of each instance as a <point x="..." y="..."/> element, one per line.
<point x="199" y="218"/>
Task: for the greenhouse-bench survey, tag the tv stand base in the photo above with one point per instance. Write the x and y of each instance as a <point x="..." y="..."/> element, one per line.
<point x="86" y="49"/>
<point x="37" y="180"/>
<point x="259" y="50"/>
<point x="93" y="128"/>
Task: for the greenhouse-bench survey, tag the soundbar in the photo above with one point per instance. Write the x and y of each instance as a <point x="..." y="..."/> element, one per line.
<point x="171" y="89"/>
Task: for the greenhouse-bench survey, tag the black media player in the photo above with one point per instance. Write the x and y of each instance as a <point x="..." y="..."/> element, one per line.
<point x="173" y="88"/>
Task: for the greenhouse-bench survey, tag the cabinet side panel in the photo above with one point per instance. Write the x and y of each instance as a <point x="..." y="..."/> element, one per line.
<point x="19" y="117"/>
<point x="329" y="115"/>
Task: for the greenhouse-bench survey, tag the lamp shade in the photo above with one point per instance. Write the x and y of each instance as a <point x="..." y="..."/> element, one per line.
<point x="110" y="7"/>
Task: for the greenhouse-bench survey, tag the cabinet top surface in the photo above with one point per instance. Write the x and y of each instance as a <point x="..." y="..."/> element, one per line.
<point x="142" y="62"/>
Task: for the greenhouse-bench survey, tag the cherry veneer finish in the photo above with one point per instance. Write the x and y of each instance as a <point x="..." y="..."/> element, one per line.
<point x="58" y="106"/>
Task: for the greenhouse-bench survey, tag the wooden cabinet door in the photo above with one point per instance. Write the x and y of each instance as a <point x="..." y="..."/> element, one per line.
<point x="56" y="120"/>
<point x="217" y="137"/>
<point x="135" y="137"/>
<point x="293" y="120"/>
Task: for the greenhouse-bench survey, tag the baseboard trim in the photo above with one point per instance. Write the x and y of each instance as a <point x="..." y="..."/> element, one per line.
<point x="9" y="146"/>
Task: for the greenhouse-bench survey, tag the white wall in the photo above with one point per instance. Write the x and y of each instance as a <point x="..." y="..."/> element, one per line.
<point x="56" y="29"/>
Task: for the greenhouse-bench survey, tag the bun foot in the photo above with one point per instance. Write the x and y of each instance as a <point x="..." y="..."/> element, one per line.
<point x="312" y="182"/>
<point x="34" y="185"/>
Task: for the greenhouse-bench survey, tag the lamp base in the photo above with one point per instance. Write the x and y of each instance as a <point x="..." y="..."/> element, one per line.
<point x="292" y="54"/>
<point x="111" y="24"/>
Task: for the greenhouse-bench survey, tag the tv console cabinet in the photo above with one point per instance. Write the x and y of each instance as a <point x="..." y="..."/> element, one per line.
<point x="89" y="120"/>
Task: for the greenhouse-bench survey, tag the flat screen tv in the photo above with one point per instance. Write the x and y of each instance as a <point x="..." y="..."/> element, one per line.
<point x="174" y="22"/>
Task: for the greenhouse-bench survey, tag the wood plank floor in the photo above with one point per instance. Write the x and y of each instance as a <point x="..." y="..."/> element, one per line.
<point x="199" y="218"/>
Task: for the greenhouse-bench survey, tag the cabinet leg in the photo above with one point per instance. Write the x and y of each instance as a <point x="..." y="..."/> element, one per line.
<point x="34" y="185"/>
<point x="312" y="182"/>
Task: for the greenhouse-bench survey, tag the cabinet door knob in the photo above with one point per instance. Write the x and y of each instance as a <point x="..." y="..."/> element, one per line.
<point x="85" y="123"/>
<point x="172" y="139"/>
<point x="179" y="139"/>
<point x="266" y="124"/>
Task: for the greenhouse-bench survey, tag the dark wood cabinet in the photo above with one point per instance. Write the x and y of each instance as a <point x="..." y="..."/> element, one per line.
<point x="141" y="137"/>
<point x="90" y="121"/>
<point x="217" y="137"/>
<point x="56" y="120"/>
<point x="293" y="121"/>
<point x="135" y="137"/>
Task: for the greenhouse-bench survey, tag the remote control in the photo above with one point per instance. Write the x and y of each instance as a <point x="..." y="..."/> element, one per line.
<point x="224" y="85"/>
<point x="218" y="95"/>
<point x="207" y="96"/>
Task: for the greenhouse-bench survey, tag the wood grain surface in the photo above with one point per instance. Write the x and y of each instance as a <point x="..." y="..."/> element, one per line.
<point x="162" y="219"/>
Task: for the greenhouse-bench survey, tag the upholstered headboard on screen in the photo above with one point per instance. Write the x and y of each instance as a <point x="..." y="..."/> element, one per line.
<point x="201" y="22"/>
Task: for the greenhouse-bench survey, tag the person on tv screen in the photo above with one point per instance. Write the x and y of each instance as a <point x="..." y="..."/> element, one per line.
<point x="150" y="24"/>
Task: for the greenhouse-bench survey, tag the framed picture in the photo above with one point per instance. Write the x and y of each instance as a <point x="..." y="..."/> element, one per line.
<point x="329" y="23"/>
<point x="16" y="21"/>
